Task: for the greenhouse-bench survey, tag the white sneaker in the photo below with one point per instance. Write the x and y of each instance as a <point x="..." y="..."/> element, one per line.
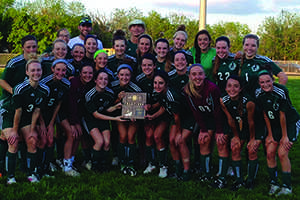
<point x="72" y="172"/>
<point x="115" y="161"/>
<point x="273" y="189"/>
<point x="60" y="163"/>
<point x="163" y="172"/>
<point x="131" y="171"/>
<point x="52" y="167"/>
<point x="284" y="191"/>
<point x="149" y="169"/>
<point x="87" y="165"/>
<point x="11" y="181"/>
<point x="33" y="179"/>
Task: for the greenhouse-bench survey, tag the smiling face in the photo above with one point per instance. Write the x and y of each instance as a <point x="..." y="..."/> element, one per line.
<point x="161" y="49"/>
<point x="101" y="60"/>
<point x="34" y="71"/>
<point x="148" y="67"/>
<point x="250" y="47"/>
<point x="233" y="88"/>
<point x="85" y="29"/>
<point x="101" y="81"/>
<point x="124" y="76"/>
<point x="120" y="48"/>
<point x="78" y="53"/>
<point x="222" y="49"/>
<point x="144" y="45"/>
<point x="180" y="62"/>
<point x="29" y="47"/>
<point x="136" y="30"/>
<point x="266" y="82"/>
<point x="197" y="76"/>
<point x="60" y="50"/>
<point x="203" y="42"/>
<point x="91" y="45"/>
<point x="59" y="71"/>
<point x="159" y="84"/>
<point x="86" y="74"/>
<point x="179" y="41"/>
<point x="64" y="35"/>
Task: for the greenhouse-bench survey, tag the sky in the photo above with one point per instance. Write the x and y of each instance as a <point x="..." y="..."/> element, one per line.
<point x="251" y="12"/>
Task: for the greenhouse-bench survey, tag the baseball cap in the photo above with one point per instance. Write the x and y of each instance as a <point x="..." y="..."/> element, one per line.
<point x="136" y="22"/>
<point x="85" y="20"/>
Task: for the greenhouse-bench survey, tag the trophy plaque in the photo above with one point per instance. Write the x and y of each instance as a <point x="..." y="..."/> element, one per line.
<point x="133" y="105"/>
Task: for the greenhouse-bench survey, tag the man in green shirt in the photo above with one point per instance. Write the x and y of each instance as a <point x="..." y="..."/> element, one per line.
<point x="136" y="28"/>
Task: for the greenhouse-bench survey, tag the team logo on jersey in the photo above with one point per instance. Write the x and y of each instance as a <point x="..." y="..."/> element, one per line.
<point x="38" y="101"/>
<point x="232" y="66"/>
<point x="60" y="94"/>
<point x="55" y="89"/>
<point x="100" y="99"/>
<point x="182" y="81"/>
<point x="255" y="68"/>
<point x="32" y="95"/>
<point x="276" y="106"/>
<point x="100" y="109"/>
<point x="209" y="100"/>
<point x="234" y="107"/>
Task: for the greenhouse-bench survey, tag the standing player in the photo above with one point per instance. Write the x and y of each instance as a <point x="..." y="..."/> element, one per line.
<point x="163" y="55"/>
<point x="282" y="121"/>
<point x="136" y="28"/>
<point x="85" y="28"/>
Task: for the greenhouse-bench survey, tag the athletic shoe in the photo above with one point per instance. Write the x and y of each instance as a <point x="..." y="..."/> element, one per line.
<point x="163" y="172"/>
<point x="72" y="172"/>
<point x="236" y="186"/>
<point x="230" y="171"/>
<point x="33" y="178"/>
<point x="205" y="179"/>
<point x="115" y="161"/>
<point x="11" y="180"/>
<point x="124" y="170"/>
<point x="218" y="183"/>
<point x="186" y="176"/>
<point x="60" y="163"/>
<point x="284" y="191"/>
<point x="52" y="167"/>
<point x="87" y="165"/>
<point x="273" y="189"/>
<point x="149" y="169"/>
<point x="131" y="171"/>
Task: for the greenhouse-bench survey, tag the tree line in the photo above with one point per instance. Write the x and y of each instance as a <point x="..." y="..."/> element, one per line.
<point x="280" y="35"/>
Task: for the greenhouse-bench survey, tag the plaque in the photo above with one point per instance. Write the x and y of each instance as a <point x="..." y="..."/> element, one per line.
<point x="133" y="105"/>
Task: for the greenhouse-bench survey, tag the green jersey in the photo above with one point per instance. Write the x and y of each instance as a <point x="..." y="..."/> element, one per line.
<point x="178" y="81"/>
<point x="162" y="65"/>
<point x="113" y="63"/>
<point x="47" y="63"/>
<point x="29" y="98"/>
<point x="58" y="92"/>
<point x="274" y="102"/>
<point x="131" y="49"/>
<point x="14" y="73"/>
<point x="206" y="60"/>
<point x="250" y="69"/>
<point x="227" y="67"/>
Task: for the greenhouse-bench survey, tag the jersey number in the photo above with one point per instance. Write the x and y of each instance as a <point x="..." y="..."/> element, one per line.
<point x="51" y="102"/>
<point x="204" y="108"/>
<point x="226" y="76"/>
<point x="30" y="108"/>
<point x="270" y="114"/>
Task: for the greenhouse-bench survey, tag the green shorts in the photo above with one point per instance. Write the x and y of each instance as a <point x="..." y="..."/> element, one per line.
<point x="8" y="120"/>
<point x="292" y="132"/>
<point x="260" y="126"/>
<point x="188" y="122"/>
<point x="102" y="125"/>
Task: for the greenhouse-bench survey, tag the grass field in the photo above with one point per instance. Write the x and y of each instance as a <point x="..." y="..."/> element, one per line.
<point x="114" y="185"/>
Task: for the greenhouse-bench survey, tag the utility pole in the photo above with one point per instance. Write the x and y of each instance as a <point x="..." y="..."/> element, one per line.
<point x="202" y="14"/>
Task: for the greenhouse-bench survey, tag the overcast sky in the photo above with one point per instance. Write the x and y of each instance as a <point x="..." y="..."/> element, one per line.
<point x="251" y="12"/>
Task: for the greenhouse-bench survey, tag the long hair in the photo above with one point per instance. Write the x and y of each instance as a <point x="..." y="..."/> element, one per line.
<point x="168" y="64"/>
<point x="196" y="46"/>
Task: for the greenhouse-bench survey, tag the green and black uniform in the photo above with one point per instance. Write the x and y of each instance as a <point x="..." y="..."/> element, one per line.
<point x="113" y="63"/>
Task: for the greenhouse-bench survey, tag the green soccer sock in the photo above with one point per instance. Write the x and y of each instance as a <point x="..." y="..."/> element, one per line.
<point x="223" y="166"/>
<point x="162" y="157"/>
<point x="40" y="159"/>
<point x="31" y="162"/>
<point x="49" y="156"/>
<point x="122" y="150"/>
<point x="273" y="174"/>
<point x="287" y="179"/>
<point x="237" y="168"/>
<point x="96" y="157"/>
<point x="252" y="169"/>
<point x="131" y="154"/>
<point x="11" y="164"/>
<point x="22" y="156"/>
<point x="3" y="151"/>
<point x="205" y="164"/>
<point x="150" y="154"/>
<point x="178" y="167"/>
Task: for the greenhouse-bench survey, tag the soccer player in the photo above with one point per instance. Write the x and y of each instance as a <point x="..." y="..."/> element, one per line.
<point x="163" y="56"/>
<point x="282" y="121"/>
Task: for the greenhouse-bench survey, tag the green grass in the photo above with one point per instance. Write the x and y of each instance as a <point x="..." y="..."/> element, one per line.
<point x="114" y="185"/>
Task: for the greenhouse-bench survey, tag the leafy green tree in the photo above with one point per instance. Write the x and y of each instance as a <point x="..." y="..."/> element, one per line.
<point x="5" y="22"/>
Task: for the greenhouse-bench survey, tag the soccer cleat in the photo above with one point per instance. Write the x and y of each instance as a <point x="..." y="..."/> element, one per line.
<point x="87" y="165"/>
<point x="124" y="170"/>
<point x="60" y="163"/>
<point x="163" y="172"/>
<point x="218" y="183"/>
<point x="149" y="169"/>
<point x="236" y="186"/>
<point x="273" y="189"/>
<point x="115" y="161"/>
<point x="11" y="180"/>
<point x="131" y="171"/>
<point x="33" y="178"/>
<point x="52" y="167"/>
<point x="72" y="172"/>
<point x="284" y="191"/>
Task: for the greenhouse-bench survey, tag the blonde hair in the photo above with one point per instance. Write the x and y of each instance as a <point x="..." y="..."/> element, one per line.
<point x="33" y="58"/>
